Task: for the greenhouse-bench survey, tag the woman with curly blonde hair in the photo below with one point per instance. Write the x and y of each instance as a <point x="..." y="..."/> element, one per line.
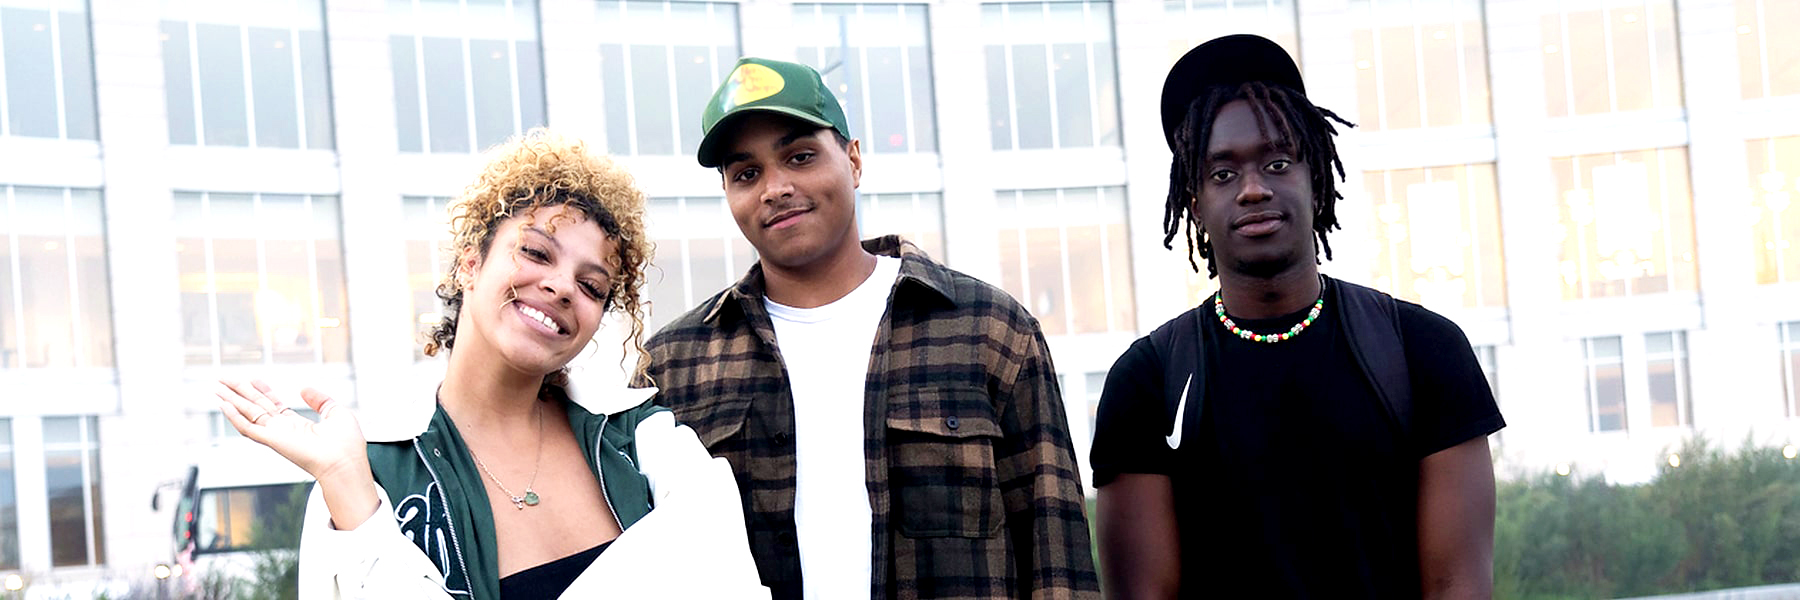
<point x="513" y="479"/>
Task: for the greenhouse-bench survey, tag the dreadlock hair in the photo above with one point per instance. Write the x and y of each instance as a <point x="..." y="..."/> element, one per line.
<point x="1300" y="128"/>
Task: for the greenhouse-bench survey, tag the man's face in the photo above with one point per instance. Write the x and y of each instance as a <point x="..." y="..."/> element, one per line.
<point x="792" y="190"/>
<point x="1255" y="200"/>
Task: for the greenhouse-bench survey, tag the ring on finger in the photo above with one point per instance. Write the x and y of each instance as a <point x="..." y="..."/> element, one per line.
<point x="258" y="418"/>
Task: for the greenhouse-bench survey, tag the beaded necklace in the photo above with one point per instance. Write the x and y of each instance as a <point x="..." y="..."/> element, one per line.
<point x="1311" y="315"/>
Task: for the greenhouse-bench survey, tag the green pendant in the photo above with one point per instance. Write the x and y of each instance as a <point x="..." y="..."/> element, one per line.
<point x="531" y="498"/>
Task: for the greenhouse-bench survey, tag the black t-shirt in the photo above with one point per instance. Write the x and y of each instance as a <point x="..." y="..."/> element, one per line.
<point x="1295" y="482"/>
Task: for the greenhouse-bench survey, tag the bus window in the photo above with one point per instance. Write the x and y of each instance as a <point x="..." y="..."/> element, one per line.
<point x="250" y="518"/>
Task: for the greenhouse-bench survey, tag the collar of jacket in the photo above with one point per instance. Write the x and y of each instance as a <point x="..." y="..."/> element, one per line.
<point x="409" y="418"/>
<point x="915" y="270"/>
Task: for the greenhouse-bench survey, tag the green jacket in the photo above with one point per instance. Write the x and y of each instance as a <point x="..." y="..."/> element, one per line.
<point x="434" y="491"/>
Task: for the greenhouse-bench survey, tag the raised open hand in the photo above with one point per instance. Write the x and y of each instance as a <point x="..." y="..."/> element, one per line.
<point x="331" y="448"/>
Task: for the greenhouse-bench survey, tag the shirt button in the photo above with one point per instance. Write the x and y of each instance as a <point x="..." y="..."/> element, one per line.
<point x="781" y="438"/>
<point x="952" y="423"/>
<point x="435" y="452"/>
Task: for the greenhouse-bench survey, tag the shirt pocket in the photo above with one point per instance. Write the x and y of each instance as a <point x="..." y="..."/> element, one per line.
<point x="941" y="463"/>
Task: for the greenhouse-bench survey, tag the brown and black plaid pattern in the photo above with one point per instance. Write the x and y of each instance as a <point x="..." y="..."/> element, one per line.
<point x="971" y="476"/>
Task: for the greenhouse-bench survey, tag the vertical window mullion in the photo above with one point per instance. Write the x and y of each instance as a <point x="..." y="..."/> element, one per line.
<point x="1062" y="242"/>
<point x="418" y="41"/>
<point x="193" y="28"/>
<point x="1019" y="216"/>
<point x="1093" y="83"/>
<point x="1650" y="50"/>
<point x="18" y="272"/>
<point x="1463" y="96"/>
<point x="1762" y="47"/>
<point x="668" y="51"/>
<point x="249" y="84"/>
<point x="862" y="79"/>
<point x="1593" y="391"/>
<point x="212" y="279"/>
<point x="1418" y="59"/>
<point x="56" y="73"/>
<point x="262" y="277"/>
<point x="1568" y="63"/>
<point x="6" y="103"/>
<point x="625" y="52"/>
<point x="1581" y="250"/>
<point x="1106" y="281"/>
<point x="512" y="69"/>
<point x="74" y="281"/>
<point x="1049" y="98"/>
<point x="1606" y="39"/>
<point x="314" y="294"/>
<point x="1012" y="83"/>
<point x="906" y="82"/>
<point x="87" y="488"/>
<point x="687" y="254"/>
<point x="299" y="82"/>
<point x="468" y="68"/>
<point x="1379" y="65"/>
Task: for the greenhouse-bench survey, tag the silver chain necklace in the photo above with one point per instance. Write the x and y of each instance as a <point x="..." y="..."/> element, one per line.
<point x="531" y="497"/>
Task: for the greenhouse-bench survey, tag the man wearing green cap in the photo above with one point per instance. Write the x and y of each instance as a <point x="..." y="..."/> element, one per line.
<point x="895" y="426"/>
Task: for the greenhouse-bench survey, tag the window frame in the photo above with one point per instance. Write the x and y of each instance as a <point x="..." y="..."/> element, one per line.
<point x="1095" y="91"/>
<point x="315" y="298"/>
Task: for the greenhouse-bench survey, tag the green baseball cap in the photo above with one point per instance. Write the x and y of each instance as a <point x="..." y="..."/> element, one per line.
<point x="760" y="84"/>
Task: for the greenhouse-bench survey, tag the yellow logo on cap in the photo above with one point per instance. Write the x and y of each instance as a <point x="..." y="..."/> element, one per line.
<point x="752" y="82"/>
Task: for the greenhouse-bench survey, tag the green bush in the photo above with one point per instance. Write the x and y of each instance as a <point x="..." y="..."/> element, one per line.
<point x="1721" y="520"/>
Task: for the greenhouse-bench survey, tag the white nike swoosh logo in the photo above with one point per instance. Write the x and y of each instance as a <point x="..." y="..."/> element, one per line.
<point x="1180" y="415"/>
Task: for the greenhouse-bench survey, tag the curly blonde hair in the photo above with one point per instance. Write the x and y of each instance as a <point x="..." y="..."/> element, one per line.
<point x="537" y="169"/>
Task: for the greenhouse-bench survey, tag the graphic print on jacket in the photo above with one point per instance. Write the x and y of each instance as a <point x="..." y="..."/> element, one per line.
<point x="423" y="519"/>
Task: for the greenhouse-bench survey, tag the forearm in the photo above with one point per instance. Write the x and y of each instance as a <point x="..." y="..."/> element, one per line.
<point x="349" y="495"/>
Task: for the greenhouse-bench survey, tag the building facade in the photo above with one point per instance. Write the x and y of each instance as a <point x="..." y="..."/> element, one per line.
<point x="1598" y="191"/>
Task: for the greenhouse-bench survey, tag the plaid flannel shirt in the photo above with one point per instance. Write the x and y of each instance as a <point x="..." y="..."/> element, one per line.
<point x="970" y="472"/>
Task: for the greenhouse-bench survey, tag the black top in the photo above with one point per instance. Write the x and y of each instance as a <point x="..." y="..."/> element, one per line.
<point x="550" y="579"/>
<point x="1295" y="482"/>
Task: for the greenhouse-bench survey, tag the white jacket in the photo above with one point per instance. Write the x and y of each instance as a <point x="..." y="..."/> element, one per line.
<point x="692" y="544"/>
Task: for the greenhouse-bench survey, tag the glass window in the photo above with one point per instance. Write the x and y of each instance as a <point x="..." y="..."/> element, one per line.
<point x="877" y="59"/>
<point x="467" y="73"/>
<point x="55" y="302"/>
<point x="234" y="519"/>
<point x="1064" y="254"/>
<point x="9" y="501"/>
<point x="427" y="237"/>
<point x="1665" y="354"/>
<point x="1789" y="336"/>
<point x="699" y="252"/>
<point x="918" y="218"/>
<point x="246" y="73"/>
<point x="1626" y="223"/>
<point x="72" y="481"/>
<point x="1605" y="384"/>
<point x="1768" y="55"/>
<point x="1604" y="56"/>
<point x="1420" y="63"/>
<point x="1775" y="220"/>
<point x="262" y="279"/>
<point x="1191" y="22"/>
<point x="1437" y="239"/>
<point x="659" y="64"/>
<point x="1051" y="75"/>
<point x="49" y="70"/>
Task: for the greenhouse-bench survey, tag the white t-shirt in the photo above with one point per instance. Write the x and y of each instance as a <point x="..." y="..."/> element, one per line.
<point x="826" y="351"/>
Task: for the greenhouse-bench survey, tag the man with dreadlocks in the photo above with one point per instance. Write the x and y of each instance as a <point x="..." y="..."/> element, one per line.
<point x="1312" y="438"/>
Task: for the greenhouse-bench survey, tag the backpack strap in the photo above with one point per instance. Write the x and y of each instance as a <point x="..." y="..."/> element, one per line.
<point x="1372" y="324"/>
<point x="1184" y="380"/>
